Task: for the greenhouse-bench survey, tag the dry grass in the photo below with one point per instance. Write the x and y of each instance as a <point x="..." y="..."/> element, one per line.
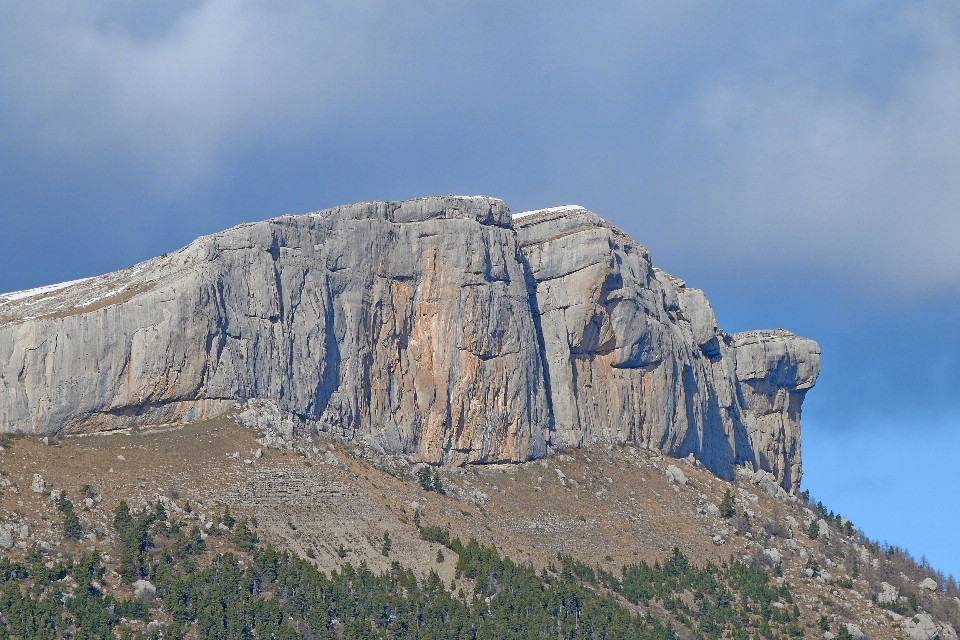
<point x="606" y="506"/>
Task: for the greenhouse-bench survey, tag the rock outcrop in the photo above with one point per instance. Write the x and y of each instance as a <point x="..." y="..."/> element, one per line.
<point x="632" y="354"/>
<point x="440" y="327"/>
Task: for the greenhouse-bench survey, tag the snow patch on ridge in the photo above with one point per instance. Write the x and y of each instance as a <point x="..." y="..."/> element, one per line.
<point x="30" y="293"/>
<point x="561" y="209"/>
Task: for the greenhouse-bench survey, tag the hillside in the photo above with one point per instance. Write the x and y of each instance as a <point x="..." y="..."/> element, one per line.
<point x="331" y="503"/>
<point x="428" y="418"/>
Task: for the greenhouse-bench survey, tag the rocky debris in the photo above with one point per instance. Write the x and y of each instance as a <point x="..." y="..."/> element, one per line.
<point x="888" y="593"/>
<point x="855" y="631"/>
<point x="676" y="475"/>
<point x="929" y="584"/>
<point x="923" y="627"/>
<point x="38" y="485"/>
<point x="823" y="528"/>
<point x="775" y="556"/>
<point x="765" y="481"/>
<point x="439" y="328"/>
<point x="6" y="538"/>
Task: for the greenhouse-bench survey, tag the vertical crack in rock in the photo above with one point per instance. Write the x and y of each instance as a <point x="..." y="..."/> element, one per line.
<point x="439" y="327"/>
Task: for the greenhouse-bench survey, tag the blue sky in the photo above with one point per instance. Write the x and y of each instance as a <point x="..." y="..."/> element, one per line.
<point x="800" y="162"/>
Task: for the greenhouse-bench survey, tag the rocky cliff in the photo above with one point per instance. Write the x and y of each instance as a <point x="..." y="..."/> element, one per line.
<point x="440" y="327"/>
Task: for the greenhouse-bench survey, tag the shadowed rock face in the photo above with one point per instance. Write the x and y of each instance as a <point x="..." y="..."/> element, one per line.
<point x="437" y="327"/>
<point x="633" y="355"/>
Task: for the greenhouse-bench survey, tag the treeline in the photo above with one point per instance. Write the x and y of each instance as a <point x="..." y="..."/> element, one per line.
<point x="887" y="563"/>
<point x="260" y="592"/>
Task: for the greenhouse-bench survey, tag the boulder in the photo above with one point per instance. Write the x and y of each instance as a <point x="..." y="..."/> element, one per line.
<point x="144" y="589"/>
<point x="676" y="475"/>
<point x="888" y="593"/>
<point x="823" y="528"/>
<point x="6" y="538"/>
<point x="855" y="631"/>
<point x="929" y="584"/>
<point x="921" y="627"/>
<point x="38" y="485"/>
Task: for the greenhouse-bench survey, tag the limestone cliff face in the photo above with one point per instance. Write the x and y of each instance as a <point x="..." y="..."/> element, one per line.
<point x="438" y="327"/>
<point x="633" y="355"/>
<point x="406" y="322"/>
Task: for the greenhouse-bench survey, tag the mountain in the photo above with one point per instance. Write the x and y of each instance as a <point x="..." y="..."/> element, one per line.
<point x="441" y="327"/>
<point x="425" y="419"/>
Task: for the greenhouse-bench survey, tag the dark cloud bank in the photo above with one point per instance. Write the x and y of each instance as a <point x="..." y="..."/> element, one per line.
<point x="799" y="163"/>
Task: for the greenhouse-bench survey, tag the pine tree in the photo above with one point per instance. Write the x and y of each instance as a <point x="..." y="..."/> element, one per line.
<point x="226" y="519"/>
<point x="244" y="537"/>
<point x="727" y="505"/>
<point x="425" y="478"/>
<point x="387" y="544"/>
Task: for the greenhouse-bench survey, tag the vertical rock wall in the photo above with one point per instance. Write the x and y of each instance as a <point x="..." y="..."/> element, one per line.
<point x="436" y="327"/>
<point x="633" y="355"/>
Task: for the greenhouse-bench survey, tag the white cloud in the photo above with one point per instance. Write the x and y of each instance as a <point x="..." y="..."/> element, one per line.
<point x="223" y="73"/>
<point x="815" y="171"/>
<point x="804" y="138"/>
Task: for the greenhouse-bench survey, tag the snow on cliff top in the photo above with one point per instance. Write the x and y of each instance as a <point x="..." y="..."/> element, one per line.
<point x="30" y="293"/>
<point x="561" y="209"/>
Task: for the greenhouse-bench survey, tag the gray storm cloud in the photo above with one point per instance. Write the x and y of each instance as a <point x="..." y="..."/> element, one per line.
<point x="777" y="153"/>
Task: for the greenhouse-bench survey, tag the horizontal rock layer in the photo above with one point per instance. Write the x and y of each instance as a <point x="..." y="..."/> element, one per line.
<point x="439" y="327"/>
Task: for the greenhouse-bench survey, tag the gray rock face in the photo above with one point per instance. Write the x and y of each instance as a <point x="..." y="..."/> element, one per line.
<point x="407" y="322"/>
<point x="144" y="589"/>
<point x="437" y="327"/>
<point x="632" y="354"/>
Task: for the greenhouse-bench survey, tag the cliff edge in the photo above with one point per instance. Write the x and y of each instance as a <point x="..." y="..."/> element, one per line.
<point x="441" y="327"/>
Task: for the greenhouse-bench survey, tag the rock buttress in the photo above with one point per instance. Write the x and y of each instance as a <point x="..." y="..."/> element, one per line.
<point x="633" y="355"/>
